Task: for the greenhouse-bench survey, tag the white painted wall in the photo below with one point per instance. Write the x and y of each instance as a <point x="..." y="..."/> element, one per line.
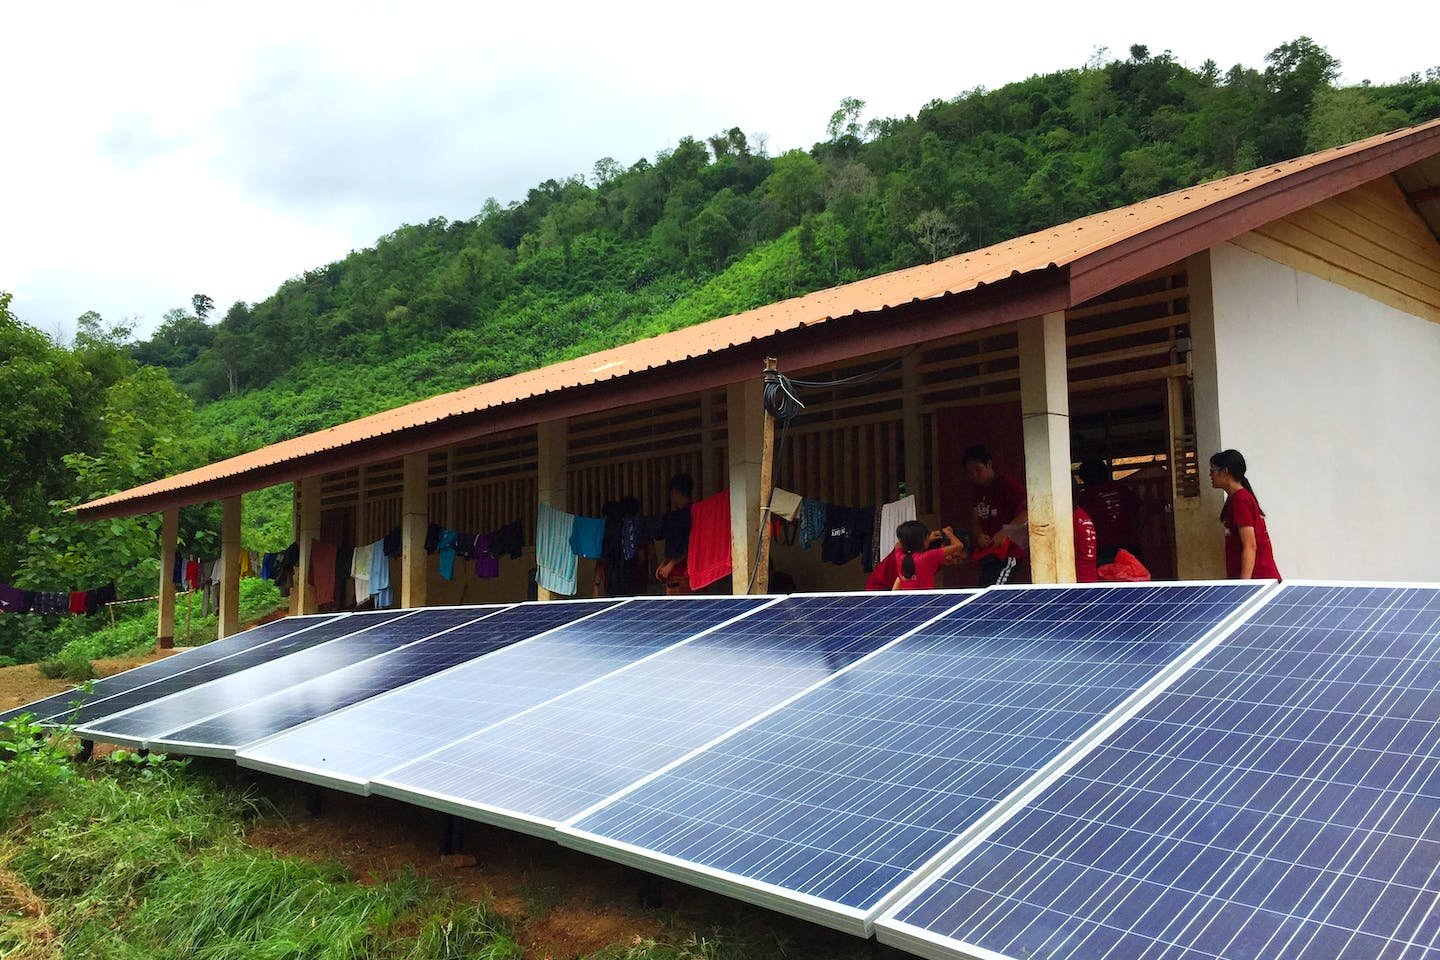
<point x="1334" y="399"/>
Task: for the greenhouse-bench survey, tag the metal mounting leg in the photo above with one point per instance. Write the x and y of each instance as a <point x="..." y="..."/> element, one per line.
<point x="87" y="750"/>
<point x="452" y="835"/>
<point x="650" y="890"/>
<point x="314" y="801"/>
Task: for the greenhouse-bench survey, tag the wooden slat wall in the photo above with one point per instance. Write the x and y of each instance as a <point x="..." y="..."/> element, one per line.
<point x="1368" y="240"/>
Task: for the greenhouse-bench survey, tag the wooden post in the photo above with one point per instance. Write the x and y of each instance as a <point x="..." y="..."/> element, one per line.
<point x="414" y="518"/>
<point x="1199" y="538"/>
<point x="169" y="534"/>
<point x="308" y="531"/>
<point x="229" y="566"/>
<point x="744" y="415"/>
<point x="1045" y="413"/>
<point x="911" y="435"/>
<point x="767" y="487"/>
<point x="551" y="440"/>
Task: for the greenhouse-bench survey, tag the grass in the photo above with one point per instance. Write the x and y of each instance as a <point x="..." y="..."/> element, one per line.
<point x="128" y="858"/>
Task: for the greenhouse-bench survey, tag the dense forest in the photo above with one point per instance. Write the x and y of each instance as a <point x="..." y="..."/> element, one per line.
<point x="713" y="226"/>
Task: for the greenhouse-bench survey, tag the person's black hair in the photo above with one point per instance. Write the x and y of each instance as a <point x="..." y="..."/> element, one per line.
<point x="683" y="484"/>
<point x="1094" y="472"/>
<point x="977" y="453"/>
<point x="912" y="535"/>
<point x="1233" y="463"/>
<point x="629" y="507"/>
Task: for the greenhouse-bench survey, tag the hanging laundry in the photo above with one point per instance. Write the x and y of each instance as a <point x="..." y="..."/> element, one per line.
<point x="848" y="533"/>
<point x="178" y="574"/>
<point x="784" y="504"/>
<point x="432" y="537"/>
<point x="553" y="557"/>
<point x="891" y="516"/>
<point x="285" y="565"/>
<point x="445" y="546"/>
<point x="192" y="574"/>
<point x="708" y="557"/>
<point x="267" y="566"/>
<point x="360" y="573"/>
<point x="464" y="545"/>
<point x="77" y="602"/>
<point x="812" y="522"/>
<point x="509" y="540"/>
<point x="15" y="600"/>
<point x="394" y="543"/>
<point x="487" y="566"/>
<point x="97" y="599"/>
<point x="323" y="558"/>
<point x="380" y="575"/>
<point x="587" y="537"/>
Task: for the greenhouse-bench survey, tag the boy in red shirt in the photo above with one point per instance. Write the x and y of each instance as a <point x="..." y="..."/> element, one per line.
<point x="1113" y="507"/>
<point x="1248" y="552"/>
<point x="999" y="503"/>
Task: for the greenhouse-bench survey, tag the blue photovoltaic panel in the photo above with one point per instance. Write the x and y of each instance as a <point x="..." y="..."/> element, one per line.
<point x="156" y="719"/>
<point x="60" y="707"/>
<point x="225" y="733"/>
<point x="548" y="764"/>
<point x="172" y="683"/>
<point x="350" y="748"/>
<point x="1280" y="799"/>
<point x="843" y="794"/>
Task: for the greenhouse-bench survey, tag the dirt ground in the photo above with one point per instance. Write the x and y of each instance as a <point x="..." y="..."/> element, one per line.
<point x="23" y="684"/>
<point x="564" y="903"/>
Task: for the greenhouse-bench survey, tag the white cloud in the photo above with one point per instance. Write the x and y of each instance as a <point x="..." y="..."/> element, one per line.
<point x="155" y="151"/>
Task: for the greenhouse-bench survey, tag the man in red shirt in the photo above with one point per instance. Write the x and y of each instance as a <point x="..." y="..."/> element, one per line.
<point x="1086" y="570"/>
<point x="1000" y="506"/>
<point x="1113" y="507"/>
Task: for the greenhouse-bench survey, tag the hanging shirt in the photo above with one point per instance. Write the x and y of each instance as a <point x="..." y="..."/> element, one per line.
<point x="890" y="570"/>
<point x="322" y="570"/>
<point x="554" y="560"/>
<point x="380" y="575"/>
<point x="1086" y="548"/>
<point x="445" y="546"/>
<point x="708" y="557"/>
<point x="177" y="575"/>
<point x="432" y="537"/>
<point x="13" y="600"/>
<point x="587" y="537"/>
<point x="77" y="602"/>
<point x="267" y="566"/>
<point x="1243" y="510"/>
<point x="193" y="577"/>
<point x="487" y="565"/>
<point x="394" y="543"/>
<point x="812" y="522"/>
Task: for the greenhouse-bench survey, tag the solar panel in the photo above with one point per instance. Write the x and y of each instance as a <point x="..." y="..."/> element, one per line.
<point x="229" y="666"/>
<point x="349" y="748"/>
<point x="547" y="764"/>
<point x="59" y="708"/>
<point x="827" y="807"/>
<point x="137" y="727"/>
<point x="223" y="734"/>
<point x="1280" y="799"/>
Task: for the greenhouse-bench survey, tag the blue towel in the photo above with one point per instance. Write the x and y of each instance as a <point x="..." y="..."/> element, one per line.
<point x="586" y="536"/>
<point x="554" y="560"/>
<point x="380" y="575"/>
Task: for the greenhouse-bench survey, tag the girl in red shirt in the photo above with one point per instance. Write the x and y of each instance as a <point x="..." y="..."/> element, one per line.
<point x="1248" y="553"/>
<point x="916" y="559"/>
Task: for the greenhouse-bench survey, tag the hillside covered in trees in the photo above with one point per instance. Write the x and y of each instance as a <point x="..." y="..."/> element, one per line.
<point x="627" y="250"/>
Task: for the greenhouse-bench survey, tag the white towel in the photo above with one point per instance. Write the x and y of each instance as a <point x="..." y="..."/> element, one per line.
<point x="891" y="516"/>
<point x="360" y="570"/>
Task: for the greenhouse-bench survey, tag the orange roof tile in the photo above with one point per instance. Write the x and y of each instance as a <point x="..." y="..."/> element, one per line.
<point x="1102" y="247"/>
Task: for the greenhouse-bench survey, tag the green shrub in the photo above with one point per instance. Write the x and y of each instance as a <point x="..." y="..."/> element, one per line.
<point x="33" y="764"/>
<point x="7" y="662"/>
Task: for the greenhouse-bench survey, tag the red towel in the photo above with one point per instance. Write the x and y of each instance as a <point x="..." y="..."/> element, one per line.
<point x="322" y="571"/>
<point x="192" y="574"/>
<point x="77" y="602"/>
<point x="709" y="556"/>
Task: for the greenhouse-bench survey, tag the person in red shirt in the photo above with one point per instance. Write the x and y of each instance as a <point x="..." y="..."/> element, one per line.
<point x="1248" y="553"/>
<point x="917" y="557"/>
<point x="1086" y="570"/>
<point x="1113" y="507"/>
<point x="1000" y="505"/>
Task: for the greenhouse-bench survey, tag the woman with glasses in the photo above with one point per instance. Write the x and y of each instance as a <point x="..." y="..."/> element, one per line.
<point x="1248" y="553"/>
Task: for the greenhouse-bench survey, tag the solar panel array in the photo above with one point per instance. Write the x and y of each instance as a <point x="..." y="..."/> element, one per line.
<point x="834" y="801"/>
<point x="1281" y="799"/>
<point x="1176" y="772"/>
<point x="550" y="763"/>
<point x="348" y="749"/>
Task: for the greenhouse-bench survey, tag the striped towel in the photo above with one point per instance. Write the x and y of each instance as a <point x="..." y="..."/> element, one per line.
<point x="555" y="561"/>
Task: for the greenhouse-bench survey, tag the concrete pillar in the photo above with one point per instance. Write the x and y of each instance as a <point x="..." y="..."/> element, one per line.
<point x="169" y="534"/>
<point x="229" y="566"/>
<point x="414" y="518"/>
<point x="552" y="488"/>
<point x="307" y="531"/>
<point x="1045" y="415"/>
<point x="745" y="426"/>
<point x="1199" y="538"/>
<point x="911" y="433"/>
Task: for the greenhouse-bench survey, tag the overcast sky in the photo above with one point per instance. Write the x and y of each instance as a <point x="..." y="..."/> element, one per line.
<point x="151" y="151"/>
